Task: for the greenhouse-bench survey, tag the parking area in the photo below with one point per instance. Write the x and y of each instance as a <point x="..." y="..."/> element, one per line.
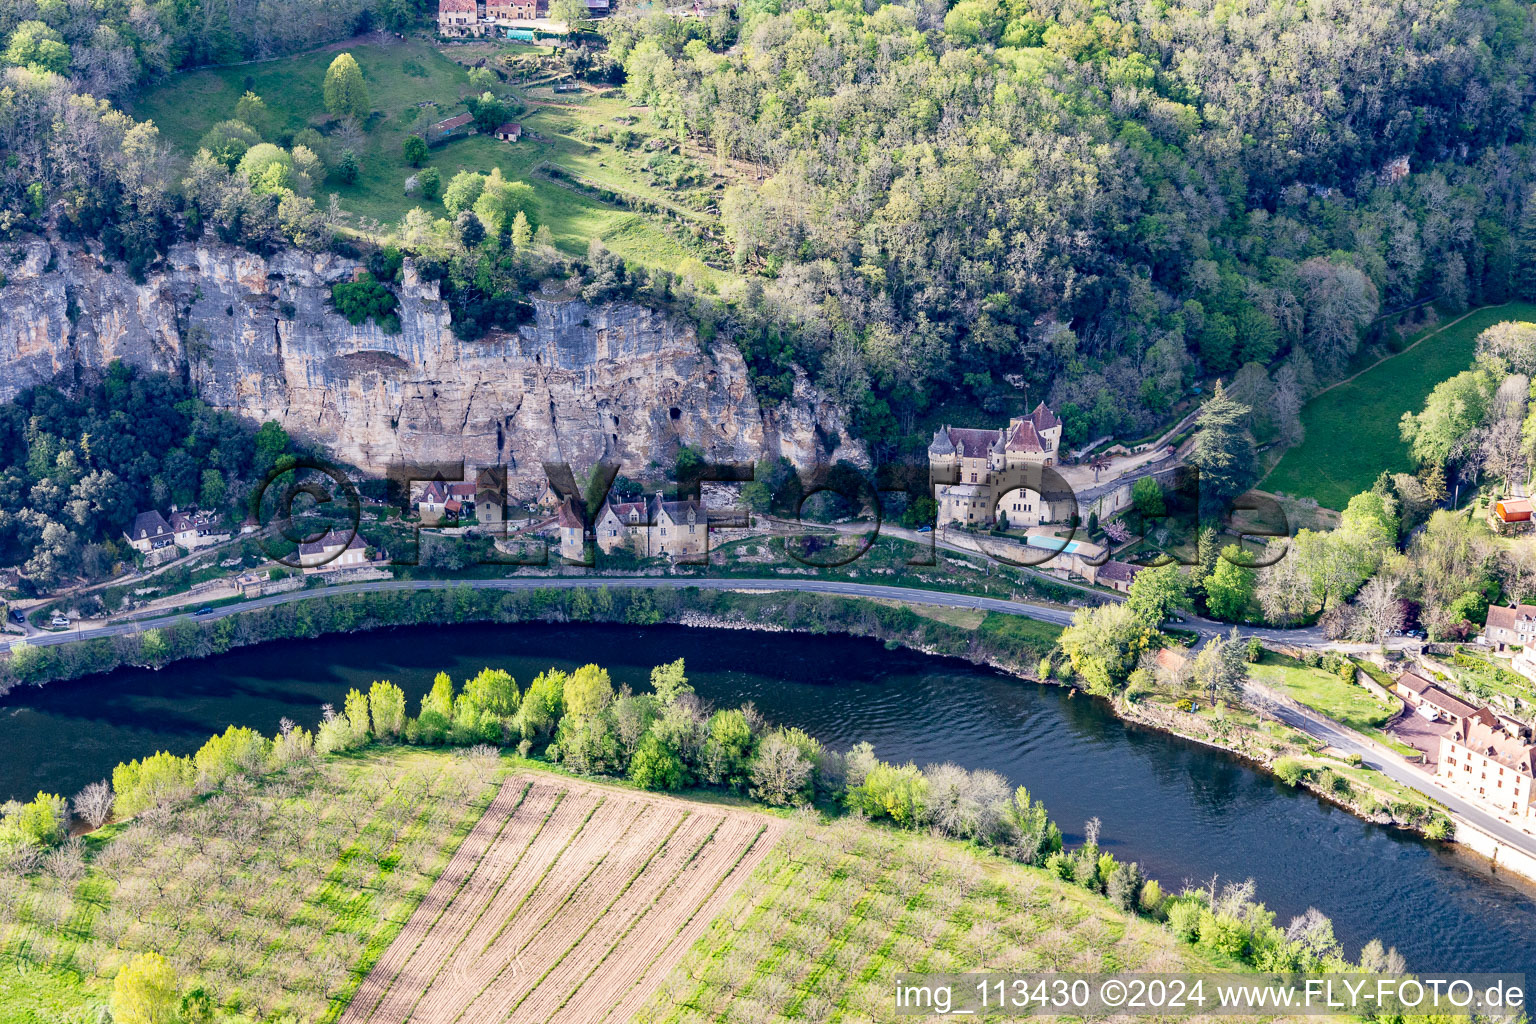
<point x="1419" y="733"/>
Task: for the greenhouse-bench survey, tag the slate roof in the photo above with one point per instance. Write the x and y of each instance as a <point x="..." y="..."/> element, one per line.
<point x="331" y="539"/>
<point x="148" y="525"/>
<point x="1120" y="572"/>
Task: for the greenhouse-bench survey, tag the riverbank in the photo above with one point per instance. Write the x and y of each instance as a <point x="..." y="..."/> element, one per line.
<point x="1007" y="642"/>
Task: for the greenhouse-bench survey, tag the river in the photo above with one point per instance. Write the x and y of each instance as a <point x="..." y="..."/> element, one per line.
<point x="1185" y="812"/>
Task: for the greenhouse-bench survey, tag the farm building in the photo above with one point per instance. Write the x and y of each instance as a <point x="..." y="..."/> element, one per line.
<point x="1510" y="515"/>
<point x="509" y="132"/>
<point x="451" y="128"/>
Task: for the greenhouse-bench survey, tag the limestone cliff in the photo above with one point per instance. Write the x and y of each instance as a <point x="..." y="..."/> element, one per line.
<point x="259" y="337"/>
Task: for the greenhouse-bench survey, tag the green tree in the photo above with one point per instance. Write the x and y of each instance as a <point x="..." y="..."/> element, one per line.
<point x="501" y="200"/>
<point x="439" y="699"/>
<point x="522" y="234"/>
<point x="670" y="681"/>
<point x="1453" y="410"/>
<point x="267" y="167"/>
<point x="1525" y="250"/>
<point x="228" y="141"/>
<point x="1223" y="451"/>
<point x="414" y="149"/>
<point x="346" y="95"/>
<point x="145" y="991"/>
<point x="1147" y="497"/>
<point x="1221" y="667"/>
<point x="37" y="47"/>
<point x="655" y="765"/>
<point x="494" y="691"/>
<point x="463" y="190"/>
<point x="252" y="110"/>
<point x="588" y="691"/>
<point x="1157" y="592"/>
<point x="386" y="704"/>
<point x="1104" y="644"/>
<point x="430" y="181"/>
<point x="1230" y="586"/>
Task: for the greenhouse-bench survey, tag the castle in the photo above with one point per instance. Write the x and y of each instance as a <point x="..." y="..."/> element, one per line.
<point x="972" y="465"/>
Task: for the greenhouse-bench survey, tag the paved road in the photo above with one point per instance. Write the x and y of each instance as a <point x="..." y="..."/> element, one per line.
<point x="1374" y="756"/>
<point x="909" y="595"/>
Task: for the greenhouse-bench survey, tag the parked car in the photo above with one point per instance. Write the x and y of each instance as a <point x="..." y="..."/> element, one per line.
<point x="925" y="529"/>
<point x="18" y="616"/>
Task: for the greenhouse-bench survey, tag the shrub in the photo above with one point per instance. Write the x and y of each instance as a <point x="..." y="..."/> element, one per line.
<point x="366" y="298"/>
<point x="1290" y="770"/>
<point x="1184" y="920"/>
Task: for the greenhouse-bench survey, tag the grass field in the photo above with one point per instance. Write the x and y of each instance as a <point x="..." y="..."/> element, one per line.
<point x="1348" y="703"/>
<point x="410" y="85"/>
<point x="1352" y="430"/>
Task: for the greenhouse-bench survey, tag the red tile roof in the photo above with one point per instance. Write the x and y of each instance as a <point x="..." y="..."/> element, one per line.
<point x="456" y="6"/>
<point x="448" y="124"/>
<point x="1025" y="438"/>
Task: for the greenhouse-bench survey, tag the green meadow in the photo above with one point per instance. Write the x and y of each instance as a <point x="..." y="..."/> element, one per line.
<point x="410" y="85"/>
<point x="1352" y="430"/>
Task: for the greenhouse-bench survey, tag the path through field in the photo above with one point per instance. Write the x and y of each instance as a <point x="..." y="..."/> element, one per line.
<point x="567" y="902"/>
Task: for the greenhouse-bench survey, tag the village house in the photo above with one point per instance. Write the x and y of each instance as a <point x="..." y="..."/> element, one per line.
<point x="193" y="529"/>
<point x="1510" y="625"/>
<point x="1431" y="702"/>
<point x="654" y="528"/>
<point x="1509" y="516"/>
<point x="458" y="17"/>
<point x="976" y="459"/>
<point x="333" y="551"/>
<point x="573" y="532"/>
<point x="151" y="536"/>
<point x="1491" y="762"/>
<point x="507" y="12"/>
<point x="509" y="132"/>
<point x="1117" y="576"/>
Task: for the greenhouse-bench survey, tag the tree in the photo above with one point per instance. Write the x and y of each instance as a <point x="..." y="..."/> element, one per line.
<point x="346" y="95"/>
<point x="1223" y="451"/>
<point x="1230" y="587"/>
<point x="494" y="691"/>
<point x="463" y="190"/>
<point x="1525" y="249"/>
<point x="252" y="110"/>
<point x="228" y="141"/>
<point x="145" y="991"/>
<point x="522" y="234"/>
<point x="655" y="765"/>
<point x="501" y="200"/>
<point x="414" y="149"/>
<point x="670" y="682"/>
<point x="430" y="181"/>
<point x="1454" y="409"/>
<point x="1221" y="667"/>
<point x="780" y="772"/>
<point x="1104" y="644"/>
<point x="1380" y="611"/>
<point x="1147" y="497"/>
<point x="573" y="13"/>
<point x="93" y="804"/>
<point x="1156" y="592"/>
<point x="37" y="47"/>
<point x="267" y="167"/>
<point x="588" y="691"/>
<point x="386" y="704"/>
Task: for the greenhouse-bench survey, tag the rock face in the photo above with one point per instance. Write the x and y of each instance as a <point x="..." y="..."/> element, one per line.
<point x="258" y="336"/>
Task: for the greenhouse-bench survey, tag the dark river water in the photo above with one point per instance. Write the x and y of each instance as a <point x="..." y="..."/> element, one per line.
<point x="1185" y="812"/>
